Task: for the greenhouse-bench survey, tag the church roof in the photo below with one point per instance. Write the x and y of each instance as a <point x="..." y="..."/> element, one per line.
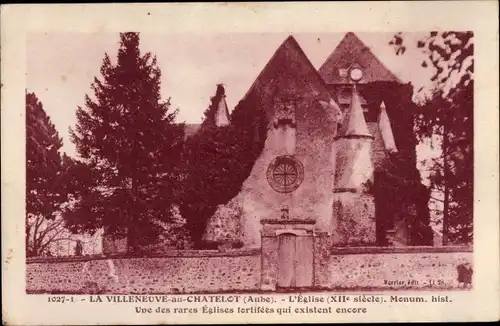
<point x="290" y="67"/>
<point x="354" y="123"/>
<point x="352" y="51"/>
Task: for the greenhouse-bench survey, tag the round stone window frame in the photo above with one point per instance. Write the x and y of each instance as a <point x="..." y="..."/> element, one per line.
<point x="285" y="174"/>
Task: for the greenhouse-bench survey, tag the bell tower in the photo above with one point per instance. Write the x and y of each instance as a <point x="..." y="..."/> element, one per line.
<point x="386" y="103"/>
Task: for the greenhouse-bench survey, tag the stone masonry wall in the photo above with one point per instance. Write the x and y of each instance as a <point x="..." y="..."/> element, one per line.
<point x="188" y="272"/>
<point x="372" y="268"/>
<point x="335" y="269"/>
<point x="353" y="222"/>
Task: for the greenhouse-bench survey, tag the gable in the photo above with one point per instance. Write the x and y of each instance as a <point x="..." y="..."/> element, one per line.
<point x="290" y="74"/>
<point x="352" y="52"/>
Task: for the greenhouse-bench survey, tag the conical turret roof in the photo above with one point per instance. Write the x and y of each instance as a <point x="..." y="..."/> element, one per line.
<point x="354" y="123"/>
<point x="384" y="125"/>
<point x="222" y="113"/>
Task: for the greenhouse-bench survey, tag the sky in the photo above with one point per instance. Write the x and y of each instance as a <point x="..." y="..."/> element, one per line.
<point x="62" y="66"/>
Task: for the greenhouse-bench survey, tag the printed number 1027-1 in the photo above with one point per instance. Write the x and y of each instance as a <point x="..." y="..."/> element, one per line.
<point x="60" y="299"/>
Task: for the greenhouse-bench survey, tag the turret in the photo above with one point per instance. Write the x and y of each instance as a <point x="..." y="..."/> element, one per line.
<point x="222" y="113"/>
<point x="353" y="220"/>
<point x="385" y="128"/>
<point x="383" y="143"/>
<point x="354" y="124"/>
<point x="353" y="146"/>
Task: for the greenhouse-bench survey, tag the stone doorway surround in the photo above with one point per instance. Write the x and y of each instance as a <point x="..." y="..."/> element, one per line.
<point x="294" y="234"/>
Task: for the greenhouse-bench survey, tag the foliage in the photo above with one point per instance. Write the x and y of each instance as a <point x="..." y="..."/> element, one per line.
<point x="46" y="192"/>
<point x="397" y="184"/>
<point x="174" y="235"/>
<point x="397" y="192"/>
<point x="400" y="108"/>
<point x="43" y="161"/>
<point x="450" y="54"/>
<point x="447" y="115"/>
<point x="218" y="160"/>
<point x="452" y="172"/>
<point x="225" y="225"/>
<point x="130" y="148"/>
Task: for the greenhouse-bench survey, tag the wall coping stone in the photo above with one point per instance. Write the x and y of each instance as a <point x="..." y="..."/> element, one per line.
<point x="398" y="250"/>
<point x="166" y="254"/>
<point x="290" y="221"/>
<point x="253" y="252"/>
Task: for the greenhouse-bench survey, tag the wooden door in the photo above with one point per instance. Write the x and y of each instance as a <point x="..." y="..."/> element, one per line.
<point x="295" y="261"/>
<point x="303" y="262"/>
<point x="286" y="261"/>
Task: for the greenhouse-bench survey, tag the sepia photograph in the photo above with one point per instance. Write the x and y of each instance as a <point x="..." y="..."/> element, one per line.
<point x="264" y="162"/>
<point x="241" y="163"/>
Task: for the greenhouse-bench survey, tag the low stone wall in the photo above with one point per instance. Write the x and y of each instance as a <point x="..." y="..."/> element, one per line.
<point x="375" y="268"/>
<point x="175" y="272"/>
<point x="212" y="271"/>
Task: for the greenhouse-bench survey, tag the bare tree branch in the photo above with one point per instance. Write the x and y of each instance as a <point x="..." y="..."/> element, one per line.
<point x="50" y="240"/>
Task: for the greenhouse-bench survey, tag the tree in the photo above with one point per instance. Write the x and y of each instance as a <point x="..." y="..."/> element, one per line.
<point x="451" y="120"/>
<point x="447" y="115"/>
<point x="43" y="234"/>
<point x="451" y="56"/>
<point x="398" y="191"/>
<point x="45" y="175"/>
<point x="218" y="160"/>
<point x="130" y="148"/>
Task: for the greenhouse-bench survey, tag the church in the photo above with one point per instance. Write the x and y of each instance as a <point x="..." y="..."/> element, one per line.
<point x="330" y="131"/>
<point x="339" y="153"/>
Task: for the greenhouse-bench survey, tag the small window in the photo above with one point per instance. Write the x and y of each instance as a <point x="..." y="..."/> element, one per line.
<point x="343" y="72"/>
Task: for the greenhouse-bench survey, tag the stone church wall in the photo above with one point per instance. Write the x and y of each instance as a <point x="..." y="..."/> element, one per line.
<point x="290" y="76"/>
<point x="354" y="219"/>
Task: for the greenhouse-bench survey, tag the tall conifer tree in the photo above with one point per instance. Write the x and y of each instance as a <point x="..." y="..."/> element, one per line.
<point x="43" y="161"/>
<point x="44" y="174"/>
<point x="127" y="137"/>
